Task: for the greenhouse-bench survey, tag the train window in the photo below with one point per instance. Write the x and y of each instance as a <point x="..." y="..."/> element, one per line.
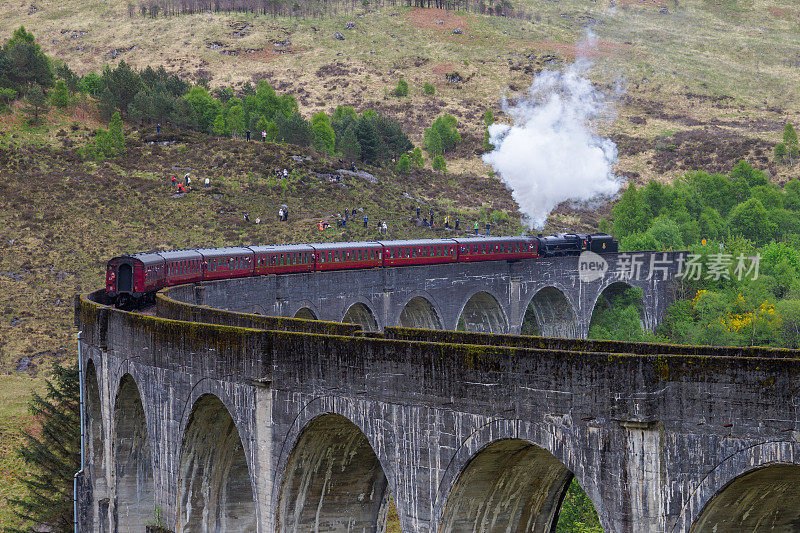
<point x="423" y="252"/>
<point x="359" y="255"/>
<point x="336" y="256"/>
<point x="483" y="248"/>
<point x="414" y="252"/>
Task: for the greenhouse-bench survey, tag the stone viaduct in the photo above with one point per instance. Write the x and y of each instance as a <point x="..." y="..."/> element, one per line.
<point x="206" y="419"/>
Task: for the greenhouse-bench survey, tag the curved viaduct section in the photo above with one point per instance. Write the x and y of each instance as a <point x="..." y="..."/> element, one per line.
<point x="238" y="422"/>
<point x="491" y="297"/>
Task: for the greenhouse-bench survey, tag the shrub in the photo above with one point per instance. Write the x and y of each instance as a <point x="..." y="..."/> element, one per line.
<point x="442" y="136"/>
<point x="428" y="89"/>
<point x="60" y="96"/>
<point x="6" y="96"/>
<point x="401" y="89"/>
<point x="417" y="161"/>
<point x="780" y="152"/>
<point x="439" y="164"/>
<point x="37" y="104"/>
<point x="403" y="164"/>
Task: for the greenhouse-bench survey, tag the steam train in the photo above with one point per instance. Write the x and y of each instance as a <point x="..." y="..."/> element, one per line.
<point x="132" y="280"/>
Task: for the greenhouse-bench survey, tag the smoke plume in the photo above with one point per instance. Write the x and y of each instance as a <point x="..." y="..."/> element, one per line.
<point x="552" y="153"/>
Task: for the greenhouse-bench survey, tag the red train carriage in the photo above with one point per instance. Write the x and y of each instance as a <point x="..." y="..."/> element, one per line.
<point x="130" y="278"/>
<point x="345" y="255"/>
<point x="182" y="266"/>
<point x="418" y="252"/>
<point x="283" y="259"/>
<point x="495" y="248"/>
<point x="222" y="263"/>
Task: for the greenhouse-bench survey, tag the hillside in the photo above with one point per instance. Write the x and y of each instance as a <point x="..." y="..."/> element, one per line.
<point x="704" y="82"/>
<point x="692" y="84"/>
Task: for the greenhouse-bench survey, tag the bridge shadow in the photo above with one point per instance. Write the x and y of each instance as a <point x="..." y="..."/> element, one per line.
<point x="333" y="481"/>
<point x="133" y="460"/>
<point x="510" y="485"/>
<point x="215" y="492"/>
<point x="766" y="499"/>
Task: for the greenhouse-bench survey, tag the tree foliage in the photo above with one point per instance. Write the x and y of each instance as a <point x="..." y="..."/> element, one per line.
<point x="52" y="454"/>
<point x="442" y="136"/>
<point x="401" y="89"/>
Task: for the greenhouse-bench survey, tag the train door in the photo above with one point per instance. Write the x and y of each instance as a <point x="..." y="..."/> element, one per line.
<point x="125" y="278"/>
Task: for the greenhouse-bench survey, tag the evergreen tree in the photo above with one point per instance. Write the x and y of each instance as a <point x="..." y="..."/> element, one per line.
<point x="324" y="136"/>
<point x="205" y="109"/>
<point x="37" y="104"/>
<point x="295" y="129"/>
<point x="488" y="120"/>
<point x="439" y="163"/>
<point x="403" y="164"/>
<point x="6" y="96"/>
<point x="401" y="89"/>
<point x="789" y="135"/>
<point x="417" y="161"/>
<point x="349" y="145"/>
<point x="116" y="135"/>
<point x="442" y="136"/>
<point x="368" y="139"/>
<point x="60" y="96"/>
<point x="781" y="152"/>
<point x="428" y="89"/>
<point x="52" y="455"/>
<point x="120" y="86"/>
<point x="26" y="64"/>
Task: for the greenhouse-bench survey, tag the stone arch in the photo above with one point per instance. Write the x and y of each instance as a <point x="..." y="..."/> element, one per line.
<point x="509" y="485"/>
<point x="361" y="313"/>
<point x="549" y="313"/>
<point x="419" y="312"/>
<point x="726" y="473"/>
<point x="133" y="460"/>
<point x="611" y="291"/>
<point x="333" y="480"/>
<point x="95" y="448"/>
<point x="305" y="313"/>
<point x="764" y="499"/>
<point x="483" y="313"/>
<point x="215" y="491"/>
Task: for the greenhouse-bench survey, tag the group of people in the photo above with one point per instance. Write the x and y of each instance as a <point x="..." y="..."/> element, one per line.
<point x="185" y="184"/>
<point x="430" y="222"/>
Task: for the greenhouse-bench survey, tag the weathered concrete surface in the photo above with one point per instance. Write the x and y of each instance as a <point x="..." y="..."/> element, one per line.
<point x="489" y="297"/>
<point x="327" y="425"/>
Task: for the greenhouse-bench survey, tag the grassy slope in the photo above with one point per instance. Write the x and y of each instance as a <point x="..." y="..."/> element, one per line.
<point x="715" y="79"/>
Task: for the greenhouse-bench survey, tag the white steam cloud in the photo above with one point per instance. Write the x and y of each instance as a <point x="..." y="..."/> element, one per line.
<point x="552" y="153"/>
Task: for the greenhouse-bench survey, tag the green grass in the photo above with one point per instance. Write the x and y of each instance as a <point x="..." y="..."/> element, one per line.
<point x="14" y="419"/>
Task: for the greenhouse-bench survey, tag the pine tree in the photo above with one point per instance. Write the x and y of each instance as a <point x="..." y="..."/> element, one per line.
<point x="403" y="164"/>
<point x="349" y="145"/>
<point x="417" y="161"/>
<point x="780" y="152"/>
<point x="52" y="456"/>
<point x="60" y="96"/>
<point x="117" y="135"/>
<point x="401" y="89"/>
<point x="439" y="163"/>
<point x="37" y="104"/>
<point x="368" y="139"/>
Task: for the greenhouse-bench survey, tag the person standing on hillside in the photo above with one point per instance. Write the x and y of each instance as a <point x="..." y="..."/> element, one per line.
<point x="207" y="183"/>
<point x="366" y="218"/>
<point x="247" y="132"/>
<point x="158" y="128"/>
<point x="488" y="229"/>
<point x="174" y="180"/>
<point x="263" y="136"/>
<point x="476" y="227"/>
<point x="457" y="223"/>
<point x="280" y="214"/>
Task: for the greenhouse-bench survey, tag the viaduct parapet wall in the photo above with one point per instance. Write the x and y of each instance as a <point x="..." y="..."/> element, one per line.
<point x="232" y="422"/>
